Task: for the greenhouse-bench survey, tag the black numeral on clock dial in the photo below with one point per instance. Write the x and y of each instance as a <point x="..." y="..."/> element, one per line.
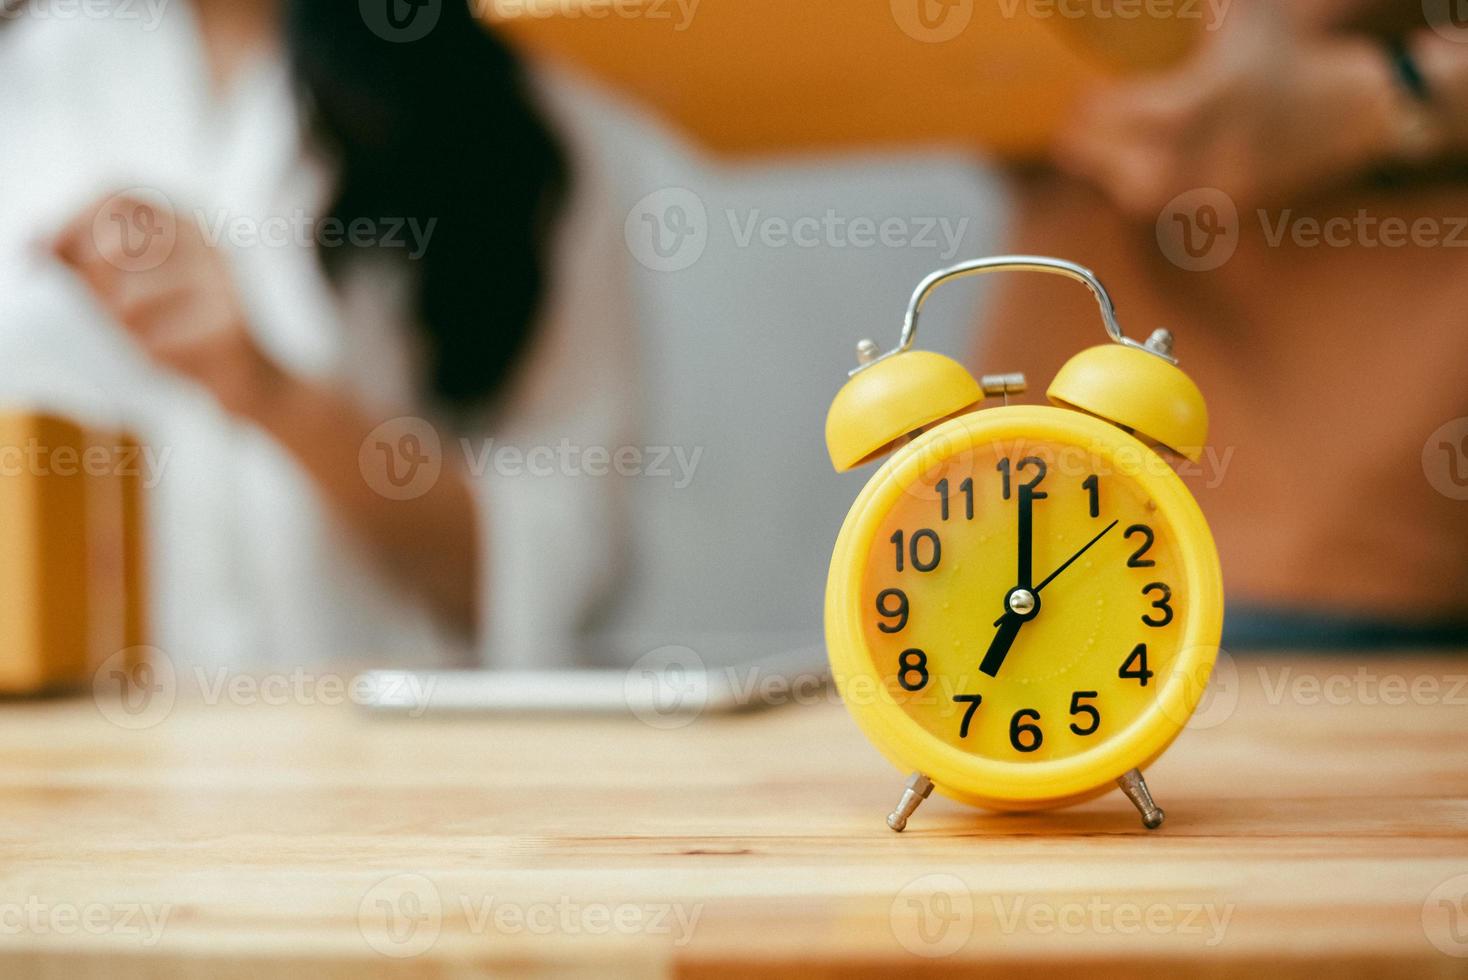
<point x="892" y="605"/>
<point x="912" y="664"/>
<point x="1035" y="462"/>
<point x="1134" y="667"/>
<point x="923" y="548"/>
<point x="1087" y="710"/>
<point x="973" y="701"/>
<point x="966" y="488"/>
<point x="1136" y="560"/>
<point x="1163" y="604"/>
<point x="1093" y="489"/>
<point x="1024" y="734"/>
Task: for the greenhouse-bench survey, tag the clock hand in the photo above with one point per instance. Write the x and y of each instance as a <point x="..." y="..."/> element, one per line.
<point x="1015" y="617"/>
<point x="1026" y="538"/>
<point x="1009" y="625"/>
<point x="1085" y="548"/>
<point x="1068" y="562"/>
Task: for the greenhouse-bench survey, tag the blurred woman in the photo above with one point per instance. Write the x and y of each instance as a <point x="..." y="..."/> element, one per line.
<point x="303" y="250"/>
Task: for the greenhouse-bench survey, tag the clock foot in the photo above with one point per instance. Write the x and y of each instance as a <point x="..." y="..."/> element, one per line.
<point x="914" y="792"/>
<point x="1135" y="788"/>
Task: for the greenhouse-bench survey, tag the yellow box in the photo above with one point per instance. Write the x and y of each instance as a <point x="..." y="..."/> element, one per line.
<point x="71" y="562"/>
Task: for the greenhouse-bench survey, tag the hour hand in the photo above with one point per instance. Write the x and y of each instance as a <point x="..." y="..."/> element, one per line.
<point x="1009" y="625"/>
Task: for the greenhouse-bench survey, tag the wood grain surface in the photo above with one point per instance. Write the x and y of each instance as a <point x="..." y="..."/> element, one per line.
<point x="1317" y="821"/>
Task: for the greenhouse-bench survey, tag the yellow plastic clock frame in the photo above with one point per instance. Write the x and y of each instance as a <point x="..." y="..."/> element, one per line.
<point x="1039" y="784"/>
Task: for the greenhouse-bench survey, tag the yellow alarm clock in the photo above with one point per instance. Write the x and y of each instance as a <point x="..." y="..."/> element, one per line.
<point x="1024" y="602"/>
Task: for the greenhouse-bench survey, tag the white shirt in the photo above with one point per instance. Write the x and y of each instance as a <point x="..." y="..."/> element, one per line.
<point x="246" y="564"/>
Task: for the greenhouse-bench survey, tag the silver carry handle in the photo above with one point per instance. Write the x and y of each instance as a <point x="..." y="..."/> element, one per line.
<point x="1160" y="343"/>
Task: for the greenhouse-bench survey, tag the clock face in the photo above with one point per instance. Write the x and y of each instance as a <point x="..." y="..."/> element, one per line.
<point x="1025" y="599"/>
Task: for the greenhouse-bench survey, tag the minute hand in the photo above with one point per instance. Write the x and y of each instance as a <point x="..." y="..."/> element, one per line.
<point x="1068" y="562"/>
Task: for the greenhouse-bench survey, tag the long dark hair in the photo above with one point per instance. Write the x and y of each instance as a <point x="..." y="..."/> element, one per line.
<point x="436" y="126"/>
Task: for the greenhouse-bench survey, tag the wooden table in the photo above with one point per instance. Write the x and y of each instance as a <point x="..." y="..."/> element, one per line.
<point x="1318" y="824"/>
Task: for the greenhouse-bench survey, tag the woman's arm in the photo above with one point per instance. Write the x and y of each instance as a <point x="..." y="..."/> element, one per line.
<point x="1270" y="112"/>
<point x="159" y="278"/>
<point x="1444" y="66"/>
